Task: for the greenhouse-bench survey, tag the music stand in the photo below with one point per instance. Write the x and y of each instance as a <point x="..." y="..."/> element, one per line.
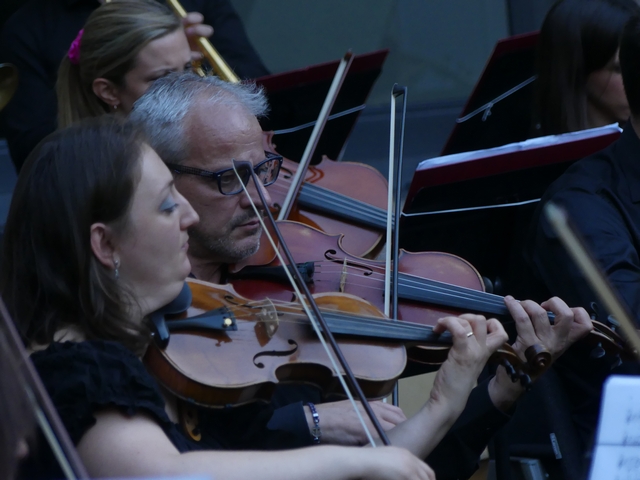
<point x="478" y="205"/>
<point x="499" y="110"/>
<point x="295" y="99"/>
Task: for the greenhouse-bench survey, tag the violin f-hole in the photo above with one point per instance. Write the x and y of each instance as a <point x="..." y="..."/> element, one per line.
<point x="331" y="255"/>
<point x="275" y="353"/>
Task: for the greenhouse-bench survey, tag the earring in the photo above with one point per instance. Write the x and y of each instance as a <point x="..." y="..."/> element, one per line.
<point x="116" y="263"/>
<point x="115" y="107"/>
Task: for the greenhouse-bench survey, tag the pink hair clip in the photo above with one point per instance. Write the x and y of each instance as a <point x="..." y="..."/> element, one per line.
<point x="74" y="49"/>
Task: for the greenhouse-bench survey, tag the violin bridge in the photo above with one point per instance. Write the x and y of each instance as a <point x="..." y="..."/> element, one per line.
<point x="269" y="317"/>
<point x="343" y="275"/>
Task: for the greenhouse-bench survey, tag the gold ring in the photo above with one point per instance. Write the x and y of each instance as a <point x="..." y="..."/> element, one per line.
<point x="470" y="334"/>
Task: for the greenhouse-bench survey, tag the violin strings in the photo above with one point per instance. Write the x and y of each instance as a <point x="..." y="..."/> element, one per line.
<point x="417" y="282"/>
<point x="408" y="280"/>
<point x="338" y="202"/>
<point x="295" y="308"/>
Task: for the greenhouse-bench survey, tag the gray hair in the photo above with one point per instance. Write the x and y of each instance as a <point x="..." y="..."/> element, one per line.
<point x="161" y="111"/>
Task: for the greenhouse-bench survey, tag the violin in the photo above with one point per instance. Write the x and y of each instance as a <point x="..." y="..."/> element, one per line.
<point x="227" y="349"/>
<point x="330" y="201"/>
<point x="431" y="284"/>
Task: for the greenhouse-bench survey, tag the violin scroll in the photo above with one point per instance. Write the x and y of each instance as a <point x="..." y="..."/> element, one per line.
<point x="538" y="359"/>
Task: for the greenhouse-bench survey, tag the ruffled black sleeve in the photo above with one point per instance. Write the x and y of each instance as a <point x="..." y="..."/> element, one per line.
<point x="83" y="378"/>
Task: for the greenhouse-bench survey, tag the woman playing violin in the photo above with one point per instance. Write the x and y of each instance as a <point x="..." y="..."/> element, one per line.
<point x="95" y="241"/>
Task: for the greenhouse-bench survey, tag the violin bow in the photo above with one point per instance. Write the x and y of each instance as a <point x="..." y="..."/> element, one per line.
<point x="393" y="212"/>
<point x="578" y="251"/>
<point x="393" y="205"/>
<point x="296" y="182"/>
<point x="45" y="413"/>
<point x="317" y="320"/>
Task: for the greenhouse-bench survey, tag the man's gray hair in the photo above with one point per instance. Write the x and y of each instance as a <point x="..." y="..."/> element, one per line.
<point x="160" y="113"/>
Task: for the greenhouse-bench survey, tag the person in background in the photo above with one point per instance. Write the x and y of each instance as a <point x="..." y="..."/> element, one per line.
<point x="579" y="84"/>
<point x="124" y="46"/>
<point x="600" y="195"/>
<point x="37" y="37"/>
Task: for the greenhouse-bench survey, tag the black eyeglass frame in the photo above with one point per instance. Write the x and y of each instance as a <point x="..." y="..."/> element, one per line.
<point x="270" y="157"/>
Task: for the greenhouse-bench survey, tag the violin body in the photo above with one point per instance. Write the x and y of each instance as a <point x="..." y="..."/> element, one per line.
<point x="337" y="271"/>
<point x="338" y="186"/>
<point x="235" y="367"/>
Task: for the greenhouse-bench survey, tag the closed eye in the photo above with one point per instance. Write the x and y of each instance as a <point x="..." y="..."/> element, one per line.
<point x="168" y="205"/>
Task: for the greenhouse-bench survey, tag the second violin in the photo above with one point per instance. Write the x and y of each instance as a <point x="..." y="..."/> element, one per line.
<point x="431" y="284"/>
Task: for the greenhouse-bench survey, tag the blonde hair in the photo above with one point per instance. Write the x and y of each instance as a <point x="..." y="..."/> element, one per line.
<point x="113" y="36"/>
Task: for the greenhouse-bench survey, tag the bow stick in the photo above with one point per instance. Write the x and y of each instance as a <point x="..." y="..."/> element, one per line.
<point x="393" y="211"/>
<point x="315" y="317"/>
<point x="393" y="205"/>
<point x="576" y="248"/>
<point x="44" y="411"/>
<point x="329" y="100"/>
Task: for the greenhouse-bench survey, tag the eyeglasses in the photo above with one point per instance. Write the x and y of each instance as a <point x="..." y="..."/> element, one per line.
<point x="228" y="184"/>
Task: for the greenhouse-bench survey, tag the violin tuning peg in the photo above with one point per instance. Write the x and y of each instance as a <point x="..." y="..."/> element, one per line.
<point x="510" y="370"/>
<point x="612" y="323"/>
<point x="525" y="381"/>
<point x="597" y="351"/>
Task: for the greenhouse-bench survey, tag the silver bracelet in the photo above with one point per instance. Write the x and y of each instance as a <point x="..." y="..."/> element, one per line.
<point x="316" y="433"/>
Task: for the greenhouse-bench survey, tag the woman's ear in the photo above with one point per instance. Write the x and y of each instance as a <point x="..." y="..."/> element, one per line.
<point x="102" y="244"/>
<point x="106" y="91"/>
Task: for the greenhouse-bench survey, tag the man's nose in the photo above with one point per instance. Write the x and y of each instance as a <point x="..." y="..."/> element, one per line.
<point x="255" y="197"/>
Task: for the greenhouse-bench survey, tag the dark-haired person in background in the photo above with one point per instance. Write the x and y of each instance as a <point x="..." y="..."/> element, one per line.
<point x="579" y="85"/>
<point x="38" y="35"/>
<point x="601" y="194"/>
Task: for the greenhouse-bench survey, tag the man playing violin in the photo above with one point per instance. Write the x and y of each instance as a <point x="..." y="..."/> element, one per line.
<point x="197" y="126"/>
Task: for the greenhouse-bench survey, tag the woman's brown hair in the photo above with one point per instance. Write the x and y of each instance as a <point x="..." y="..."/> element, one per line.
<point x="113" y="36"/>
<point x="50" y="279"/>
<point x="577" y="38"/>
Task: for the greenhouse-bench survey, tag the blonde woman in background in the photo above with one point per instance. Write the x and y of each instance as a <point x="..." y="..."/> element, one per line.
<point x="124" y="46"/>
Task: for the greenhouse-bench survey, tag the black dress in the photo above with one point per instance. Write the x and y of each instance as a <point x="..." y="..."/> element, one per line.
<point x="86" y="377"/>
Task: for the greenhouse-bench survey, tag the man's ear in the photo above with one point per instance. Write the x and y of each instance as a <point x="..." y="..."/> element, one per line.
<point x="102" y="244"/>
<point x="106" y="91"/>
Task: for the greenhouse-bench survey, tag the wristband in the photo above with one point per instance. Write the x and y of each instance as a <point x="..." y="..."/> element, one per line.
<point x="316" y="433"/>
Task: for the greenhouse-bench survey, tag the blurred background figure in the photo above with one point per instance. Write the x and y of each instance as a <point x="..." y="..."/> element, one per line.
<point x="38" y="35"/>
<point x="579" y="84"/>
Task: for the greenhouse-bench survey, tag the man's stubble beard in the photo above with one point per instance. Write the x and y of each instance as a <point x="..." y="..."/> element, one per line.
<point x="220" y="249"/>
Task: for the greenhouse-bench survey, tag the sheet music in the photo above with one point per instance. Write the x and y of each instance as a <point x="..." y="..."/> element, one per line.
<point x="617" y="449"/>
<point x="519" y="146"/>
